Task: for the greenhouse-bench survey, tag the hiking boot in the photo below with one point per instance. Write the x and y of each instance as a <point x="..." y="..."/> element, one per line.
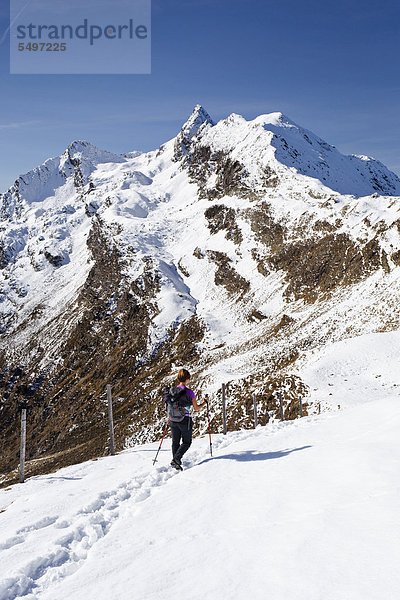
<point x="176" y="464"/>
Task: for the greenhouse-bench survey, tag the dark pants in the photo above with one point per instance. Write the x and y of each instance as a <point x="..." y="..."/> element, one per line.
<point x="181" y="431"/>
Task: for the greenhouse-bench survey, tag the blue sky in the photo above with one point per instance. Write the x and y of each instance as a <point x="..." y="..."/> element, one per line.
<point x="331" y="66"/>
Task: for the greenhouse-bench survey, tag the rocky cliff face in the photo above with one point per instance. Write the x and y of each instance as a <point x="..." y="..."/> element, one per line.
<point x="237" y="249"/>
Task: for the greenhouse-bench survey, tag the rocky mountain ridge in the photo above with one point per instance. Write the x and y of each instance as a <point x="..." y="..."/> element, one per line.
<point x="238" y="249"/>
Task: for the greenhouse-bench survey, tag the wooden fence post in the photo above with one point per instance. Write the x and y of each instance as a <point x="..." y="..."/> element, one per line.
<point x="223" y="409"/>
<point x="110" y="420"/>
<point x="319" y="408"/>
<point x="255" y="411"/>
<point x="281" y="406"/>
<point x="23" y="447"/>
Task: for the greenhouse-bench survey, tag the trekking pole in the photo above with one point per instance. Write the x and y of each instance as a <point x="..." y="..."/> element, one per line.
<point x="209" y="427"/>
<point x="159" y="448"/>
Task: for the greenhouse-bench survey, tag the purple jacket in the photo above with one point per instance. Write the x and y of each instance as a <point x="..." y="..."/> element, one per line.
<point x="191" y="395"/>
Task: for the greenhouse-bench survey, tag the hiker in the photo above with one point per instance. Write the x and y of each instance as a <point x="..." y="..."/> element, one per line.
<point x="181" y="424"/>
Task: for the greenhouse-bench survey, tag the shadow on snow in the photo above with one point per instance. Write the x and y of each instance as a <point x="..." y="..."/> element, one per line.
<point x="252" y="455"/>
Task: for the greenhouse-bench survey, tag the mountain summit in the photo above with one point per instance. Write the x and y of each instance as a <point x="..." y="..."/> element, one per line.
<point x="198" y="117"/>
<point x="239" y="249"/>
<point x="274" y="142"/>
<point x="193" y="126"/>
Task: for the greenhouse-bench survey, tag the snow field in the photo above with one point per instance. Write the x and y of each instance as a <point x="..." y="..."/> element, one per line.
<point x="353" y="371"/>
<point x="303" y="510"/>
<point x="66" y="537"/>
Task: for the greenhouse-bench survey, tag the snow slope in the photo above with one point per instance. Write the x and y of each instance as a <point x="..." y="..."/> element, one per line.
<point x="353" y="371"/>
<point x="304" y="510"/>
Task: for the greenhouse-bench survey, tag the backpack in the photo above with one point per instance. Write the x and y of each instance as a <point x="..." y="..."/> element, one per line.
<point x="176" y="400"/>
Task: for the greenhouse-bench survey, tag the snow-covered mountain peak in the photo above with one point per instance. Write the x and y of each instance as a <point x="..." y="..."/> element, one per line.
<point x="82" y="150"/>
<point x="233" y="118"/>
<point x="197" y="123"/>
<point x="81" y="158"/>
<point x="274" y="118"/>
<point x="198" y="117"/>
<point x="78" y="161"/>
<point x="276" y="144"/>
